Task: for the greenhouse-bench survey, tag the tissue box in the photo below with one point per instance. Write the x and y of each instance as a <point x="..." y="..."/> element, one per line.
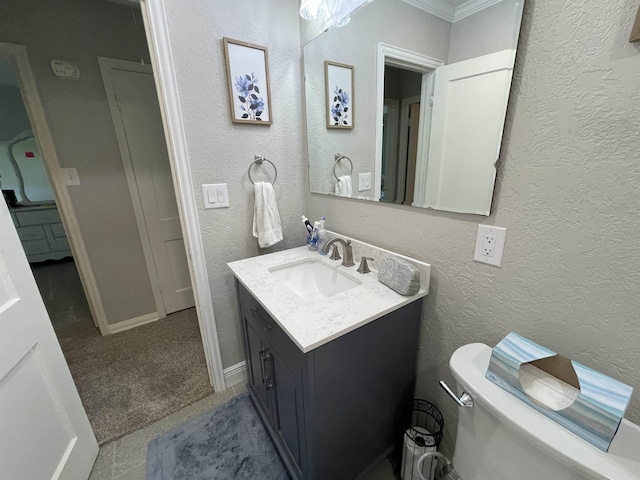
<point x="588" y="403"/>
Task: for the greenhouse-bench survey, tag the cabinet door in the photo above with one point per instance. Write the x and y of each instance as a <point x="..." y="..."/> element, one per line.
<point x="255" y="359"/>
<point x="290" y="411"/>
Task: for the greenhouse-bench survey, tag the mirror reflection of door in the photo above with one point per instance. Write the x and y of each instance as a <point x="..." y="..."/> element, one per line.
<point x="401" y="124"/>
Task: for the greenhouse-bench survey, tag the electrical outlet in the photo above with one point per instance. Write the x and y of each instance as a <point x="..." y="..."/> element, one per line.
<point x="490" y="244"/>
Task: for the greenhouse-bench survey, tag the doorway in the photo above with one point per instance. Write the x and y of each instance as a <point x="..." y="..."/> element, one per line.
<point x="400" y="133"/>
<point x="404" y="92"/>
<point x="32" y="205"/>
<point x="133" y="103"/>
<point x="150" y="363"/>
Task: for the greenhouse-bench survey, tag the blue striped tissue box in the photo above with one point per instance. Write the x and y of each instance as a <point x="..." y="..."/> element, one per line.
<point x="593" y="411"/>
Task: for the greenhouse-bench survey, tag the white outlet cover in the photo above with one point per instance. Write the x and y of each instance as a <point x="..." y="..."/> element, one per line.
<point x="500" y="235"/>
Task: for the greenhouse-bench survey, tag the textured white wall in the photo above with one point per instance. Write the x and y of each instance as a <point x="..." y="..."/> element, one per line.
<point x="567" y="190"/>
<point x="221" y="151"/>
<point x="389" y="21"/>
<point x="80" y="122"/>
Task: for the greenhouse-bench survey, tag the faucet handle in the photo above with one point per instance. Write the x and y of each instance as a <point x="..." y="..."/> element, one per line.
<point x="364" y="266"/>
<point x="335" y="254"/>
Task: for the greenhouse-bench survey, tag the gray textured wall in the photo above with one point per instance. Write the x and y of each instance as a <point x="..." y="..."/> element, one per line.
<point x="220" y="151"/>
<point x="567" y="190"/>
<point x="80" y="122"/>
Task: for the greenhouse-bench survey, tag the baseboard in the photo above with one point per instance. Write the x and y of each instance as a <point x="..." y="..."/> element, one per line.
<point x="132" y="323"/>
<point x="235" y="374"/>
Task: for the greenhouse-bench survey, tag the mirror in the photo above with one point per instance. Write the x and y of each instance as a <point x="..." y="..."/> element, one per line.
<point x="430" y="86"/>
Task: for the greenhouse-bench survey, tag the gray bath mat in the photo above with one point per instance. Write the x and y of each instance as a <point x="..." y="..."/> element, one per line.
<point x="229" y="442"/>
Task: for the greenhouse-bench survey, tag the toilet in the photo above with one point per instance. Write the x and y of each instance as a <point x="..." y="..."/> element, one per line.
<point x="500" y="437"/>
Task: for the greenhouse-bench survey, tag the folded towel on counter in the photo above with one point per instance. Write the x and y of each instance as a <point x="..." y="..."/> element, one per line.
<point x="343" y="186"/>
<point x="266" y="219"/>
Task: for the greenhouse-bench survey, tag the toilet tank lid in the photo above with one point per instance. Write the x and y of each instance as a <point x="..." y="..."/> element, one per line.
<point x="469" y="366"/>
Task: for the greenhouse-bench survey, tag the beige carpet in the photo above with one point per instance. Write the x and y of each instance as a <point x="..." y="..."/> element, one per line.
<point x="130" y="379"/>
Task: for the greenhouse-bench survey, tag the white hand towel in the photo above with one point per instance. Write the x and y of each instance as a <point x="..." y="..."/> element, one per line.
<point x="266" y="219"/>
<point x="343" y="186"/>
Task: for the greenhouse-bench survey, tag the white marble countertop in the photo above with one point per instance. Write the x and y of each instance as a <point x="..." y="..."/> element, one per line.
<point x="311" y="324"/>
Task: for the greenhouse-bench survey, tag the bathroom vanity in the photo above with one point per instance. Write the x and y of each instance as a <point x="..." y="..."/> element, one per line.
<point x="330" y="377"/>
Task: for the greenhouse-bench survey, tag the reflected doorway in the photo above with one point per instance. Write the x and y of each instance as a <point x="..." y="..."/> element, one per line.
<point x="401" y="127"/>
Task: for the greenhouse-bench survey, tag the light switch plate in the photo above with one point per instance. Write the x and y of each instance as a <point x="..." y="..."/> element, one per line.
<point x="215" y="195"/>
<point x="364" y="182"/>
<point x="490" y="244"/>
<point x="69" y="177"/>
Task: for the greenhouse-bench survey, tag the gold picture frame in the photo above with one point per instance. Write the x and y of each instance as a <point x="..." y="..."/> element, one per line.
<point x="339" y="95"/>
<point x="248" y="80"/>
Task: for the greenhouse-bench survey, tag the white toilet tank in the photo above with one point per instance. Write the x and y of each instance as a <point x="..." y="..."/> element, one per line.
<point x="502" y="438"/>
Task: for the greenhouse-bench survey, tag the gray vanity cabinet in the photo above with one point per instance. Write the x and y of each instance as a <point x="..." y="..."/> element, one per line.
<point x="335" y="410"/>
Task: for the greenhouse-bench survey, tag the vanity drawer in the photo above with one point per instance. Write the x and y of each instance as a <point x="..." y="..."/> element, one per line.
<point x="36" y="247"/>
<point x="27" y="234"/>
<point x="38" y="217"/>
<point x="58" y="230"/>
<point x="288" y="351"/>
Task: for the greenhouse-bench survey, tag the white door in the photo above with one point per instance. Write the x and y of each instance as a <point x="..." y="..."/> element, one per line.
<point x="142" y="142"/>
<point x="44" y="431"/>
<point x="469" y="107"/>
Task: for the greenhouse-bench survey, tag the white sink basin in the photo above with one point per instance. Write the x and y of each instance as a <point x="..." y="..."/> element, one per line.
<point x="313" y="279"/>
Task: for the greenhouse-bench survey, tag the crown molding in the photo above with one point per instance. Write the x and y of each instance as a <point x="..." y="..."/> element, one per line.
<point x="446" y="11"/>
<point x="439" y="8"/>
<point x="472" y="6"/>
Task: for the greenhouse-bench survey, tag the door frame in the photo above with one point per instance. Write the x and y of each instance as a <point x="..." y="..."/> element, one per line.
<point x="17" y="55"/>
<point x="158" y="39"/>
<point x="106" y="65"/>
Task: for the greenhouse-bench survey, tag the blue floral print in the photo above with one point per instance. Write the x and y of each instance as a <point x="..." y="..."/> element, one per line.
<point x="251" y="104"/>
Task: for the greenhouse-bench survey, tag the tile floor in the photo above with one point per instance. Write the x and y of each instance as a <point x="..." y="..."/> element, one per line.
<point x="126" y="458"/>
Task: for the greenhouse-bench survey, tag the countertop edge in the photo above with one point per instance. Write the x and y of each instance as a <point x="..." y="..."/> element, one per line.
<point x="244" y="270"/>
<point x="421" y="294"/>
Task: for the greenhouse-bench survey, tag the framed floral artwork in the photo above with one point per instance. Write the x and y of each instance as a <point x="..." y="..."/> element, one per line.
<point x="338" y="80"/>
<point x="248" y="77"/>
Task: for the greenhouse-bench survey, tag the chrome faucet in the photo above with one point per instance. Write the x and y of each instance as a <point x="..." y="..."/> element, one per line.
<point x="347" y="250"/>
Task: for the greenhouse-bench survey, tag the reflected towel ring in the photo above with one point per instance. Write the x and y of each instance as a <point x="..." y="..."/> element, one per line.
<point x="258" y="160"/>
<point x="339" y="157"/>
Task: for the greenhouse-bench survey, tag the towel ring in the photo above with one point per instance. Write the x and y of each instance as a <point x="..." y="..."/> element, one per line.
<point x="258" y="160"/>
<point x="339" y="157"/>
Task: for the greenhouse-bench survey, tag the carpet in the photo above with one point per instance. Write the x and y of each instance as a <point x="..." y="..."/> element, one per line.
<point x="229" y="442"/>
<point x="131" y="379"/>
